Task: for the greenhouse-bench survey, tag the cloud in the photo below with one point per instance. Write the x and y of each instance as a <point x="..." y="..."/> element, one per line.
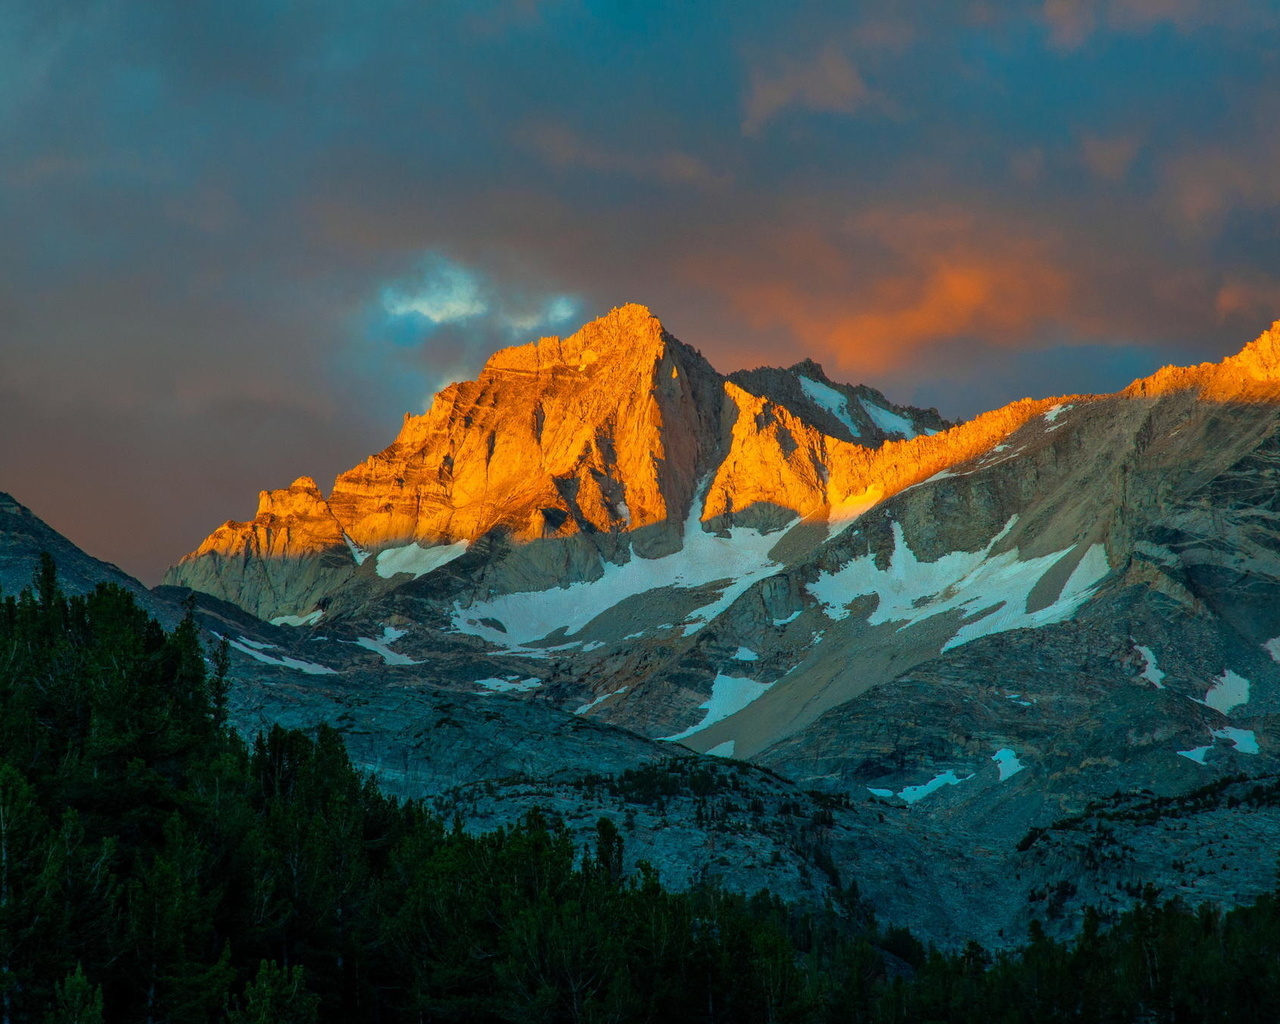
<point x="1070" y="22"/>
<point x="1204" y="184"/>
<point x="563" y="148"/>
<point x="439" y="323"/>
<point x="1073" y="23"/>
<point x="827" y="82"/>
<point x="441" y="293"/>
<point x="895" y="281"/>
<point x="1254" y="298"/>
<point x="1109" y="158"/>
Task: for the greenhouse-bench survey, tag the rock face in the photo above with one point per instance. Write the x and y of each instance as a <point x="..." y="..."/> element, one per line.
<point x="290" y="555"/>
<point x="1019" y="640"/>
<point x="567" y="454"/>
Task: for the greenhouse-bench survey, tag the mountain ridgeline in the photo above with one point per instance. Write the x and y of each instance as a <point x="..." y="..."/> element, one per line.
<point x="601" y="443"/>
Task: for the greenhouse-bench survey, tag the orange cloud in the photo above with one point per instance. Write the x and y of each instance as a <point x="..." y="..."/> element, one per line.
<point x="1254" y="298"/>
<point x="924" y="278"/>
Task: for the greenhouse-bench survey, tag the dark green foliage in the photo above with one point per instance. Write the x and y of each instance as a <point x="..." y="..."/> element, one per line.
<point x="277" y="995"/>
<point x="76" y="1001"/>
<point x="155" y="869"/>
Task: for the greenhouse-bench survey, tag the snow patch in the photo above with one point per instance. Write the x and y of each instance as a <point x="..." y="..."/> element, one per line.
<point x="1272" y="647"/>
<point x="1244" y="740"/>
<point x="257" y="645"/>
<point x="1150" y="670"/>
<point x="729" y="695"/>
<point x="912" y="794"/>
<point x="1051" y="415"/>
<point x="724" y="749"/>
<point x="991" y="590"/>
<point x="310" y="619"/>
<point x="416" y="560"/>
<point x="603" y="697"/>
<point x="746" y="654"/>
<point x="888" y="421"/>
<point x="255" y="650"/>
<point x="389" y="636"/>
<point x="357" y="552"/>
<point x="510" y="684"/>
<point x="831" y="400"/>
<point x="1007" y="761"/>
<point x="1196" y="754"/>
<point x="789" y="619"/>
<point x="1228" y="691"/>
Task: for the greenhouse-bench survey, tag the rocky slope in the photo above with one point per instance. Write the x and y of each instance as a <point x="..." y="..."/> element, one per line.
<point x="965" y="636"/>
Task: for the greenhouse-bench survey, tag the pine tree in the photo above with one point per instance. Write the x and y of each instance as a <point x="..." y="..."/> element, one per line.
<point x="76" y="1001"/>
<point x="277" y="995"/>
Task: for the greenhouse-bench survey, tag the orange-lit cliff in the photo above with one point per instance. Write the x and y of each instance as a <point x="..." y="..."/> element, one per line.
<point x="597" y="446"/>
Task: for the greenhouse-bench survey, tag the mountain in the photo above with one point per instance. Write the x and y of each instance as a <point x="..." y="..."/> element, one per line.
<point x="1043" y="642"/>
<point x="563" y="456"/>
<point x="24" y="536"/>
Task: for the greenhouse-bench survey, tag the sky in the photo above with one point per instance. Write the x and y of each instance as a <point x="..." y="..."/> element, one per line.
<point x="239" y="240"/>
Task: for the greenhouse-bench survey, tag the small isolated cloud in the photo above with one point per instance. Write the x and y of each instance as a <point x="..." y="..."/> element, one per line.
<point x="1205" y="184"/>
<point x="1253" y="298"/>
<point x="442" y="293"/>
<point x="561" y="147"/>
<point x="1070" y="22"/>
<point x="827" y="82"/>
<point x="440" y="322"/>
<point x="1110" y="158"/>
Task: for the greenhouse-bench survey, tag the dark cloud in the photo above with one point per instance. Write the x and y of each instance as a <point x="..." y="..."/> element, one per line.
<point x="239" y="239"/>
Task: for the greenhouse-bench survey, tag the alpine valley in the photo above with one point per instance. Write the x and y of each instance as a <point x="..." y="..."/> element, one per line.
<point x="787" y="633"/>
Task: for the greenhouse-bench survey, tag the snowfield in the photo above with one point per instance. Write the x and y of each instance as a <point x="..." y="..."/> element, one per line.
<point x="416" y="560"/>
<point x="992" y="591"/>
<point x="739" y="560"/>
<point x="831" y="400"/>
<point x="1229" y="691"/>
<point x="729" y="695"/>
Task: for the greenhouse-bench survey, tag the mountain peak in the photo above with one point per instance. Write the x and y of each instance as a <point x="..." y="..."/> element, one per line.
<point x="1260" y="359"/>
<point x="629" y="332"/>
<point x="306" y="485"/>
<point x="810" y="368"/>
<point x="1252" y="374"/>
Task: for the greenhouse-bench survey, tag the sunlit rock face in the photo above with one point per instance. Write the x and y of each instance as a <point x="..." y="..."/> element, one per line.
<point x="567" y="454"/>
<point x="606" y="431"/>
<point x="1252" y="375"/>
<point x="290" y="555"/>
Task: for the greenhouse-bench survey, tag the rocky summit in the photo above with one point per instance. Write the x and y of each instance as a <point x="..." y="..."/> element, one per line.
<point x="991" y="671"/>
